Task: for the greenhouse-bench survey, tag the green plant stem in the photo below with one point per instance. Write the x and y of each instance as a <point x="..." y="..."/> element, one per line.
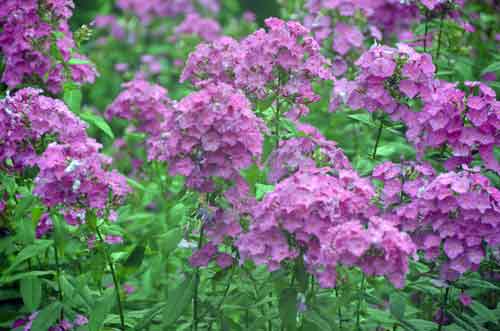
<point x="377" y="140"/>
<point x="197" y="284"/>
<point x="116" y="283"/>
<point x="438" y="51"/>
<point x="58" y="276"/>
<point x="360" y="299"/>
<point x="443" y="308"/>
<point x="339" y="310"/>
<point x="426" y="28"/>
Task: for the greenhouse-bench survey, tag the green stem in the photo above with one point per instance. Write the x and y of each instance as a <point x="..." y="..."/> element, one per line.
<point x="339" y="310"/>
<point x="426" y="28"/>
<point x="197" y="284"/>
<point x="58" y="276"/>
<point x="116" y="283"/>
<point x="377" y="141"/>
<point x="438" y="51"/>
<point x="443" y="308"/>
<point x="360" y="299"/>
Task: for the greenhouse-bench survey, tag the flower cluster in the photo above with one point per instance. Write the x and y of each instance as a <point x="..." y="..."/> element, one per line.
<point x="212" y="133"/>
<point x="205" y="28"/>
<point x="281" y="62"/>
<point x="71" y="169"/>
<point x="111" y="23"/>
<point x="300" y="153"/>
<point x="30" y="31"/>
<point x="390" y="16"/>
<point x="203" y="256"/>
<point x="65" y="325"/>
<point x="454" y="213"/>
<point x="308" y="212"/>
<point x="390" y="77"/>
<point x="75" y="177"/>
<point x="149" y="10"/>
<point x="29" y="119"/>
<point x="381" y="69"/>
<point x="144" y="103"/>
<point x="379" y="250"/>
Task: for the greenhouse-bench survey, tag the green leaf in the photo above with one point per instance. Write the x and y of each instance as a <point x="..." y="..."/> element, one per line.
<point x="102" y="309"/>
<point x="493" y="67"/>
<point x="31" y="291"/>
<point x="22" y="275"/>
<point x="317" y="320"/>
<point x="47" y="317"/>
<point x="177" y="214"/>
<point x="262" y="189"/>
<point x="135" y="184"/>
<point x="288" y="308"/>
<point x="30" y="251"/>
<point x="397" y="306"/>
<point x="72" y="97"/>
<point x="178" y="300"/>
<point x="135" y="258"/>
<point x="149" y="316"/>
<point x="482" y="311"/>
<point x="265" y="103"/>
<point x="170" y="240"/>
<point x="99" y="122"/>
<point x="78" y="61"/>
<point x="422" y="325"/>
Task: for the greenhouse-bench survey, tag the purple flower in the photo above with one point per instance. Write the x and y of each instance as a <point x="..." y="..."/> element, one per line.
<point x="212" y="133"/>
<point x="114" y="240"/>
<point x="25" y="41"/>
<point x="465" y="299"/>
<point x="146" y="104"/>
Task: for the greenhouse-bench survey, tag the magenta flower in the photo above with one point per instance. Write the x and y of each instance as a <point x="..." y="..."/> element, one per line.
<point x="465" y="299"/>
<point x="212" y="133"/>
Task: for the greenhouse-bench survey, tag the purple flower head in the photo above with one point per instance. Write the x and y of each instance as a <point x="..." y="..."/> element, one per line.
<point x="305" y="205"/>
<point x="205" y="28"/>
<point x="465" y="299"/>
<point x="44" y="225"/>
<point x="145" y="103"/>
<point x="27" y="118"/>
<point x="75" y="176"/>
<point x="255" y="63"/>
<point x="25" y="41"/>
<point x="457" y="211"/>
<point x="212" y="133"/>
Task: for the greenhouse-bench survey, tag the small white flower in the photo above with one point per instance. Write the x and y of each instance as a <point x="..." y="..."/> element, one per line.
<point x="73" y="165"/>
<point x="187" y="244"/>
<point x="76" y="185"/>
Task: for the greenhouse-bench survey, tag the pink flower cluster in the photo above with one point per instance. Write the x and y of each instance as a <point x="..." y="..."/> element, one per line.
<point x="65" y="325"/>
<point x="193" y="24"/>
<point x="27" y="119"/>
<point x="30" y="31"/>
<point x="110" y="22"/>
<point x="149" y="10"/>
<point x="281" y="62"/>
<point x="212" y="133"/>
<point x="300" y="153"/>
<point x="390" y="16"/>
<point x="317" y="216"/>
<point x="203" y="256"/>
<point x="379" y="250"/>
<point x="75" y="177"/>
<point x="390" y="77"/>
<point x="72" y="172"/>
<point x="453" y="212"/>
<point x="146" y="104"/>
